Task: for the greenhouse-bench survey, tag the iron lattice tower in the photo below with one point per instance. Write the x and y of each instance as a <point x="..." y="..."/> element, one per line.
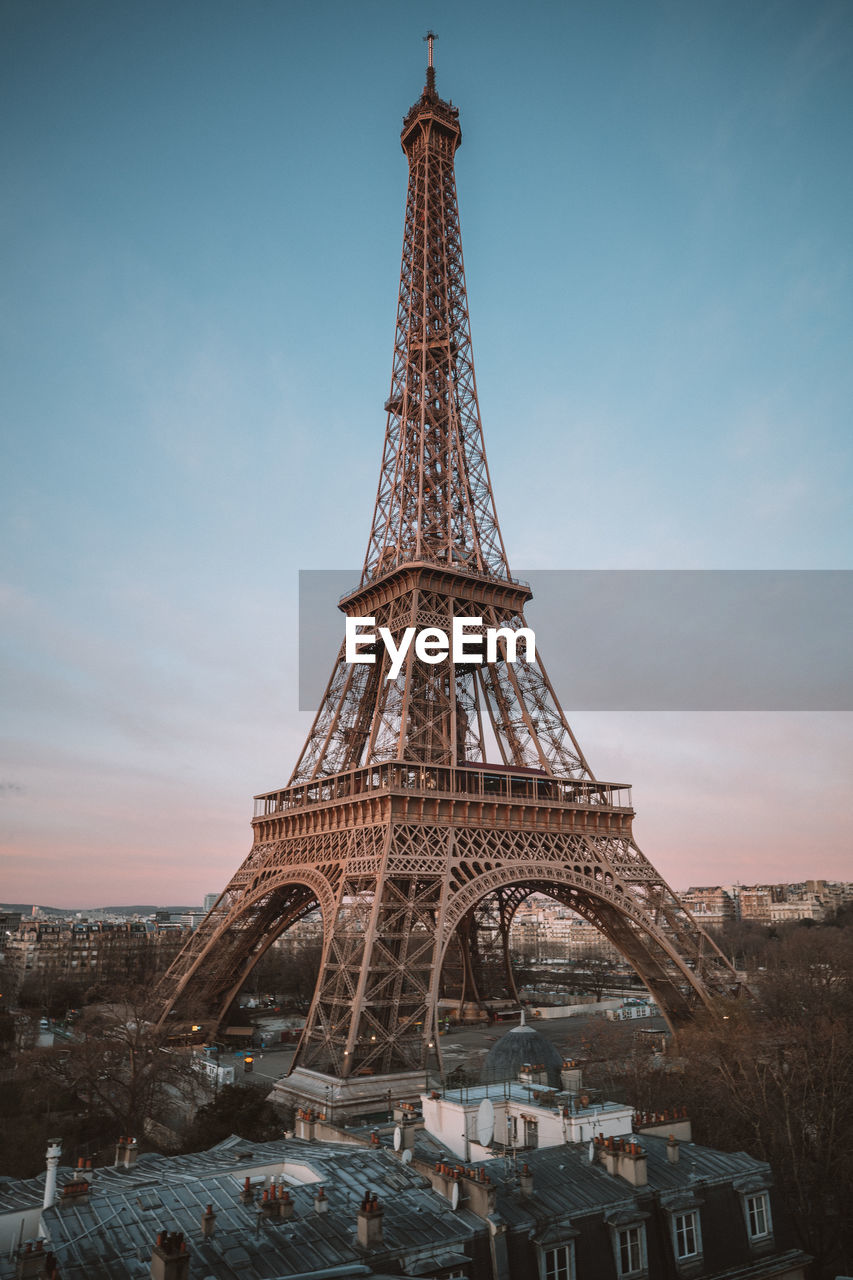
<point x="424" y="809"/>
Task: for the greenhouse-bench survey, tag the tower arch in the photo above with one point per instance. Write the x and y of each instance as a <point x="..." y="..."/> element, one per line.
<point x="598" y="897"/>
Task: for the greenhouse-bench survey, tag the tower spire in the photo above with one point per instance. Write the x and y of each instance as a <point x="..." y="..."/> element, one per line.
<point x="430" y="39"/>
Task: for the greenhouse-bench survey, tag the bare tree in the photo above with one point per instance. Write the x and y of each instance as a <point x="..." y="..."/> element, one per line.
<point x="773" y="1076"/>
<point x="119" y="1066"/>
<point x="596" y="969"/>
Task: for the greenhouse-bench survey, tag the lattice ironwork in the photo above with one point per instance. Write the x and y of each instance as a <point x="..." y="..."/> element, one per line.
<point x="425" y="808"/>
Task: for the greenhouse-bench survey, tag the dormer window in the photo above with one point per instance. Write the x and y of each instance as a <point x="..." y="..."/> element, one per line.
<point x="754" y="1195"/>
<point x="630" y="1251"/>
<point x="757" y="1209"/>
<point x="685" y="1229"/>
<point x="555" y="1252"/>
<point x="559" y="1263"/>
<point x="628" y="1240"/>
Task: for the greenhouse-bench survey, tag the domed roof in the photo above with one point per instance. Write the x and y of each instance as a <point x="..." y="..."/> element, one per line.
<point x="521" y="1045"/>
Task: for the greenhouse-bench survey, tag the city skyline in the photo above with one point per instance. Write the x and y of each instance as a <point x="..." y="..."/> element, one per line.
<point x="202" y="347"/>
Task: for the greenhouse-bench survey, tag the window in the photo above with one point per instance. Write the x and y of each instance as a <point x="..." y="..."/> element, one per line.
<point x="628" y="1241"/>
<point x="630" y="1251"/>
<point x="559" y="1263"/>
<point x="758" y="1216"/>
<point x="686" y="1235"/>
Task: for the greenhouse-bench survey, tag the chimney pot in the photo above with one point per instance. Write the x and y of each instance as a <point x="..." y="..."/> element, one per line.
<point x="170" y="1259"/>
<point x="54" y="1152"/>
<point x="369" y="1223"/>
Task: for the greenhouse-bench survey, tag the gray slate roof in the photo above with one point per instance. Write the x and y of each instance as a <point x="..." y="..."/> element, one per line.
<point x="112" y="1235"/>
<point x="566" y="1184"/>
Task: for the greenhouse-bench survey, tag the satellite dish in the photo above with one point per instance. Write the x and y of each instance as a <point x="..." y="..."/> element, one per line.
<point x="406" y="1157"/>
<point x="398" y="1137"/>
<point x="454" y="1196"/>
<point x="485" y="1122"/>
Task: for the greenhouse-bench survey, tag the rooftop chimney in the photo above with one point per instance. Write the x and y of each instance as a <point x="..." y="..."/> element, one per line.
<point x="77" y="1191"/>
<point x="525" y="1180"/>
<point x="269" y="1204"/>
<point x="625" y="1158"/>
<point x="672" y="1150"/>
<point x="321" y="1204"/>
<point x="306" y="1121"/>
<point x="247" y="1195"/>
<point x="634" y="1165"/>
<point x="208" y="1222"/>
<point x="369" y="1222"/>
<point x="54" y="1151"/>
<point x="119" y="1160"/>
<point x="170" y="1259"/>
<point x="285" y="1204"/>
<point x="31" y="1262"/>
<point x="131" y="1153"/>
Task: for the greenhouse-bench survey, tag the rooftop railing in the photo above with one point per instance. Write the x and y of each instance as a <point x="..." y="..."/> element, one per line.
<point x="474" y="781"/>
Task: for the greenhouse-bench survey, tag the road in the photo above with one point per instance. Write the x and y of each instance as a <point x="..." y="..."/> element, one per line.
<point x="466" y="1046"/>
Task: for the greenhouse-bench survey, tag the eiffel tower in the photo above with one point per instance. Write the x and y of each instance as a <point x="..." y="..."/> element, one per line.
<point x="425" y="808"/>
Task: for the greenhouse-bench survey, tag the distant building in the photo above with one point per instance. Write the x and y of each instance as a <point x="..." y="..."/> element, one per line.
<point x="90" y="952"/>
<point x="210" y="901"/>
<point x="542" y="930"/>
<point x="807" y="907"/>
<point x="710" y="907"/>
<point x="755" y="903"/>
<point x="187" y="919"/>
<point x="10" y="922"/>
<point x="805" y="900"/>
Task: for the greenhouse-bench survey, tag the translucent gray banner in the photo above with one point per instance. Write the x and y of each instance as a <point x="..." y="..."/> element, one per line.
<point x="654" y="640"/>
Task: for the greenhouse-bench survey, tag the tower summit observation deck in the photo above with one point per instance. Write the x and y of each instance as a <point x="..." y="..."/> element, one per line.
<point x="427" y="805"/>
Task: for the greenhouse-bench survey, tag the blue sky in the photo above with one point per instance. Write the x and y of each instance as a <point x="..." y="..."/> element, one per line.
<point x="202" y="222"/>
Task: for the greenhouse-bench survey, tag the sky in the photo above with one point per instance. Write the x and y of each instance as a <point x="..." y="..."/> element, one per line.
<point x="202" y="218"/>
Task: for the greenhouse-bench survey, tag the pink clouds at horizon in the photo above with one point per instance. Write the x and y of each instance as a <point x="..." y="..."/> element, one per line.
<point x="719" y="798"/>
